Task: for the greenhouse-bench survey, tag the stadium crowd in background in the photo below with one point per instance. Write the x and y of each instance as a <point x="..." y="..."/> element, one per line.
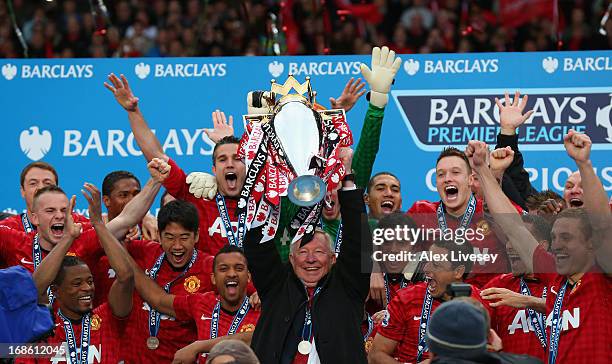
<point x="191" y="28"/>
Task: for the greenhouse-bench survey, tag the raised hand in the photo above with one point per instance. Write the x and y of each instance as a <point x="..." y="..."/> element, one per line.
<point x="159" y="169"/>
<point x="221" y="128"/>
<point x="73" y="229"/>
<point x="351" y="93"/>
<point x="578" y="146"/>
<point x="477" y="152"/>
<point x="511" y="114"/>
<point x="500" y="159"/>
<point x="92" y="195"/>
<point x="122" y="92"/>
<point x="346" y="156"/>
<point x="380" y="78"/>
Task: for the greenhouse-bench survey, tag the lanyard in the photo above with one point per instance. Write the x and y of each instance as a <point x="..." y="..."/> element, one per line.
<point x="555" y="329"/>
<point x="227" y="223"/>
<point x="370" y="327"/>
<point x="154" y="316"/>
<point x="403" y="284"/>
<point x="27" y="225"/>
<point x="467" y="216"/>
<point x="535" y="317"/>
<point x="71" y="341"/>
<point x="307" y="329"/>
<point x="238" y="317"/>
<point x="425" y="312"/>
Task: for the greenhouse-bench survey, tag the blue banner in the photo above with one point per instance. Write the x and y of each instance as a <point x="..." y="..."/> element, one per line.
<point x="59" y="111"/>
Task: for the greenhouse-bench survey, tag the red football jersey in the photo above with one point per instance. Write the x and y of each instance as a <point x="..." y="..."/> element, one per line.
<point x="104" y="344"/>
<point x="513" y="325"/>
<point x="424" y="213"/>
<point x="212" y="232"/>
<point x="14" y="222"/>
<point x="172" y="334"/>
<point x="404" y="317"/>
<point x="586" y="328"/>
<point x="16" y="248"/>
<point x="199" y="308"/>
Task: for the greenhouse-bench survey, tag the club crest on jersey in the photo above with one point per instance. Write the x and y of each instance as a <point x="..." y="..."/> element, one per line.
<point x="484" y="227"/>
<point x="71" y="254"/>
<point x="96" y="322"/>
<point x="192" y="284"/>
<point x="247" y="328"/>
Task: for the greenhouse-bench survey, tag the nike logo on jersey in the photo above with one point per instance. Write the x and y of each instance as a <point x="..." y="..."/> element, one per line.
<point x="416" y="318"/>
<point x="204" y="317"/>
<point x="24" y="261"/>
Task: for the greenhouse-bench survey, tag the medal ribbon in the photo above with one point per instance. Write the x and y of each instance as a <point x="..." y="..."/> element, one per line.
<point x="535" y="317"/>
<point x="227" y="223"/>
<point x="154" y="315"/>
<point x="238" y="317"/>
<point x="71" y="341"/>
<point x="308" y="319"/>
<point x="425" y="313"/>
<point x="467" y="216"/>
<point x="555" y="329"/>
<point x="27" y="225"/>
<point x="370" y="328"/>
<point x="403" y="284"/>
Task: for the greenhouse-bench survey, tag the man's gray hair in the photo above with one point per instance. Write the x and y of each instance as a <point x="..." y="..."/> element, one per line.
<point x="238" y="350"/>
<point x="317" y="230"/>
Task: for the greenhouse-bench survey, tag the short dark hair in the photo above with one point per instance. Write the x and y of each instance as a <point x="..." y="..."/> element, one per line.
<point x="41" y="165"/>
<point x="533" y="202"/>
<point x="458" y="250"/>
<point x="541" y="227"/>
<point x="384" y="173"/>
<point x="230" y="139"/>
<point x="228" y="248"/>
<point x="581" y="215"/>
<point x="108" y="185"/>
<point x="454" y="152"/>
<point x="181" y="212"/>
<point x="46" y="189"/>
<point x="68" y="261"/>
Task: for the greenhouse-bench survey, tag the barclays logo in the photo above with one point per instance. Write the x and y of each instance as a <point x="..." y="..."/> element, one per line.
<point x="436" y="119"/>
<point x="550" y="64"/>
<point x="180" y="70"/>
<point x="142" y="70"/>
<point x="276" y="68"/>
<point x="34" y="143"/>
<point x="9" y="71"/>
<point x="411" y="66"/>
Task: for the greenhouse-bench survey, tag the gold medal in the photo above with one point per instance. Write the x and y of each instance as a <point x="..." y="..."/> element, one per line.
<point x="304" y="347"/>
<point x="152" y="343"/>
